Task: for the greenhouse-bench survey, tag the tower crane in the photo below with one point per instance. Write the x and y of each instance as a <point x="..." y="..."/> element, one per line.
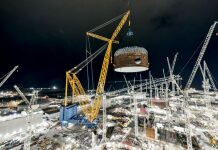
<point x="91" y="110"/>
<point x="8" y="75"/>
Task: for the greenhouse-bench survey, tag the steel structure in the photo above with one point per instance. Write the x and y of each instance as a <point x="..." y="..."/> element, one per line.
<point x="145" y="85"/>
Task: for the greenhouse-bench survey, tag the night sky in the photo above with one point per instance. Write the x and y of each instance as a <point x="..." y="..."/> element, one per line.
<point x="47" y="37"/>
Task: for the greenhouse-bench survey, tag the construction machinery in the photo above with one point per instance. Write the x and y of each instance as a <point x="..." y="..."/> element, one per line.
<point x="89" y="107"/>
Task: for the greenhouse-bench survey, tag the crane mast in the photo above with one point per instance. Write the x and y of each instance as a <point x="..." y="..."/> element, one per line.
<point x="203" y="49"/>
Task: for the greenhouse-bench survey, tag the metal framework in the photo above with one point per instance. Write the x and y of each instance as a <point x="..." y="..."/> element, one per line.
<point x="91" y="110"/>
<point x="146" y="85"/>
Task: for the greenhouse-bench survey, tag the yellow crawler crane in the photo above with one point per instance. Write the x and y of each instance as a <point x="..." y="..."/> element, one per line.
<point x="91" y="109"/>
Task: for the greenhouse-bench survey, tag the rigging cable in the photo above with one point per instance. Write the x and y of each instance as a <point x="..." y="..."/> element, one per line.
<point x="84" y="63"/>
<point x="106" y="23"/>
<point x="92" y="75"/>
<point x="87" y="70"/>
<point x="4" y="76"/>
<point x="190" y="58"/>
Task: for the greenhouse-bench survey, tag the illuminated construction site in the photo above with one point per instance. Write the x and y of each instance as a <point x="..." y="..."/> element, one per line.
<point x="148" y="114"/>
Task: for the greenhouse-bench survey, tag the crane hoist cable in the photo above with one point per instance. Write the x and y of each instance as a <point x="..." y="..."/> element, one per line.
<point x="106" y="23"/>
<point x="91" y="64"/>
<point x="84" y="63"/>
<point x="87" y="68"/>
<point x="191" y="57"/>
<point x="89" y="53"/>
<point x="4" y="76"/>
<point x="91" y="109"/>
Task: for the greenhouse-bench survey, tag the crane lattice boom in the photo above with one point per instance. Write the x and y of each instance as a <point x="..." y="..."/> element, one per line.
<point x="203" y="49"/>
<point x="8" y="75"/>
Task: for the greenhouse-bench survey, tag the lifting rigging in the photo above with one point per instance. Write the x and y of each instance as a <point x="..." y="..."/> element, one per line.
<point x="91" y="110"/>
